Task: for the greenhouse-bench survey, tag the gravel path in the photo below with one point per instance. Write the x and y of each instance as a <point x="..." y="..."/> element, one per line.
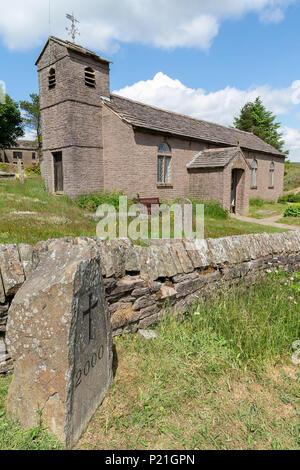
<point x="270" y="221"/>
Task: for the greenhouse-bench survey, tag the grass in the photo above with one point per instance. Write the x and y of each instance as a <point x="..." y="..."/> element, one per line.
<point x="289" y="220"/>
<point x="291" y="176"/>
<point x="222" y="379"/>
<point x="278" y="208"/>
<point x="52" y="216"/>
<point x="218" y="228"/>
<point x="92" y="201"/>
<point x="257" y="204"/>
<point x="48" y="216"/>
<point x="13" y="437"/>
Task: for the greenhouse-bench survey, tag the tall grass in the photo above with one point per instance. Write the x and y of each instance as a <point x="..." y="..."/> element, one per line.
<point x="256" y="202"/>
<point x="256" y="322"/>
<point x="222" y="379"/>
<point x="212" y="209"/>
<point x="245" y="326"/>
<point x="93" y="200"/>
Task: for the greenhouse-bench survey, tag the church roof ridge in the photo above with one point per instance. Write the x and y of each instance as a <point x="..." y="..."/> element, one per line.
<point x="152" y="117"/>
<point x="176" y="113"/>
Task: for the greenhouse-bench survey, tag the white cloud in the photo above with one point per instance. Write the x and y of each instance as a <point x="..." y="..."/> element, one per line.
<point x="105" y="24"/>
<point x="219" y="106"/>
<point x="292" y="139"/>
<point x="29" y="135"/>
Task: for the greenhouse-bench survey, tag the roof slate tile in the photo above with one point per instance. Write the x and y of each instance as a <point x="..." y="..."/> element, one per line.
<point x="149" y="117"/>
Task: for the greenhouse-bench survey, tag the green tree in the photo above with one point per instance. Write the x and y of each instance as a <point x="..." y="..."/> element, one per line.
<point x="11" y="124"/>
<point x="32" y="117"/>
<point x="255" y="118"/>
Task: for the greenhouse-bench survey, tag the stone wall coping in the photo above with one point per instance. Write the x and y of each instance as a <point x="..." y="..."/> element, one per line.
<point x="160" y="259"/>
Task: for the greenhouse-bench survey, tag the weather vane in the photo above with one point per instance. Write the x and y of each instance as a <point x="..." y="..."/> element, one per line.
<point x="73" y="31"/>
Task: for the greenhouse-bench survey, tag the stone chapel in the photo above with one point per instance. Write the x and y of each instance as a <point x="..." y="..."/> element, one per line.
<point x="96" y="141"/>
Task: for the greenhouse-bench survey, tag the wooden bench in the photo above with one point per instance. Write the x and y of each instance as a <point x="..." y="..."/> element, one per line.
<point x="148" y="202"/>
<point x="5" y="175"/>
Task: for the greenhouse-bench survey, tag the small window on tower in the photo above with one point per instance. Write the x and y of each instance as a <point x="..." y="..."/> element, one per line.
<point x="51" y="79"/>
<point x="90" y="79"/>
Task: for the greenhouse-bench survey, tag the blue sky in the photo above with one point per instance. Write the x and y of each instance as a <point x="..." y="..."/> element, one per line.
<point x="206" y="61"/>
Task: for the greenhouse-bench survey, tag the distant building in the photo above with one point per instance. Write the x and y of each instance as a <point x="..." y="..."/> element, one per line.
<point x="97" y="141"/>
<point x="25" y="150"/>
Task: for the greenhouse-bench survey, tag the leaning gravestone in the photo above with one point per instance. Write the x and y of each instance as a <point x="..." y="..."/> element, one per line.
<point x="59" y="337"/>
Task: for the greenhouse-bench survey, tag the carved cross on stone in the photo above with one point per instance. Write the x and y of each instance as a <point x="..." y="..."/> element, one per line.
<point x="89" y="313"/>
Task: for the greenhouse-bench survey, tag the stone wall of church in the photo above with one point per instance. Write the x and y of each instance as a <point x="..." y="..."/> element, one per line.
<point x="263" y="189"/>
<point x="207" y="183"/>
<point x="140" y="282"/>
<point x="130" y="164"/>
<point x="130" y="160"/>
<point x="82" y="170"/>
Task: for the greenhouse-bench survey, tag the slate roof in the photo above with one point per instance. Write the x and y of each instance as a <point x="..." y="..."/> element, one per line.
<point x="155" y="119"/>
<point x="26" y="145"/>
<point x="74" y="47"/>
<point x="214" y="158"/>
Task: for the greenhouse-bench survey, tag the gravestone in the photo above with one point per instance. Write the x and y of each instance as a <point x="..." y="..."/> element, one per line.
<point x="59" y="337"/>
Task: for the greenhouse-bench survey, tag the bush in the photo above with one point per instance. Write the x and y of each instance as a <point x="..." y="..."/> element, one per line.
<point x="292" y="211"/>
<point x="33" y="170"/>
<point x="92" y="201"/>
<point x="215" y="210"/>
<point x="3" y="167"/>
<point x="212" y="209"/>
<point x="257" y="202"/>
<point x="289" y="198"/>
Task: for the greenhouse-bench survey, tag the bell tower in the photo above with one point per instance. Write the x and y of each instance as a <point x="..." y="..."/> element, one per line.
<point x="72" y="83"/>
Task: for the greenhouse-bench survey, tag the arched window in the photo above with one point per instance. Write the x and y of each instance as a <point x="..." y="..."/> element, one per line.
<point x="90" y="79"/>
<point x="254" y="174"/>
<point x="271" y="175"/>
<point x="52" y="79"/>
<point x="164" y="163"/>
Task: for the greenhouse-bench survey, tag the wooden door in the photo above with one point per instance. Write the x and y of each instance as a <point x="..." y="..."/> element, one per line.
<point x="58" y="172"/>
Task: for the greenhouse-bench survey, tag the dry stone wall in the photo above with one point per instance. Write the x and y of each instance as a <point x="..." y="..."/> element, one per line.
<point x="140" y="281"/>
